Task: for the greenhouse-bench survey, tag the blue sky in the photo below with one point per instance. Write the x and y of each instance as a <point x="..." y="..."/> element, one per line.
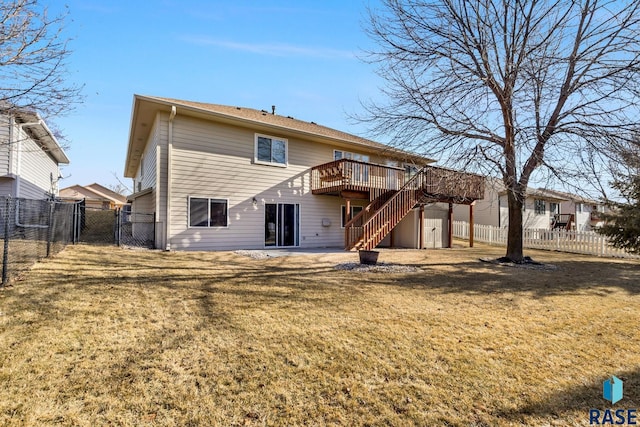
<point x="301" y="56"/>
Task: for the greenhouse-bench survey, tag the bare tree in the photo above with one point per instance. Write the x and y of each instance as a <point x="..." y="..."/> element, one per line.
<point x="508" y="88"/>
<point x="33" y="55"/>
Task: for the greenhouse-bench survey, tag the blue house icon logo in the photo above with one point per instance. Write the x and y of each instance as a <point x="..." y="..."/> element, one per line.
<point x="612" y="389"/>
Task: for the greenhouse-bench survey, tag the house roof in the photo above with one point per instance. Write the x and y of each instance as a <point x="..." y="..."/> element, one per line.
<point x="102" y="190"/>
<point x="538" y="193"/>
<point x="145" y="108"/>
<point x="574" y="197"/>
<point x="33" y="124"/>
<point x="91" y="192"/>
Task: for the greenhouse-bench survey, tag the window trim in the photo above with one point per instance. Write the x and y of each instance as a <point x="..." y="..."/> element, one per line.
<point x="344" y="207"/>
<point x="272" y="138"/>
<point x="352" y="156"/>
<point x="209" y="199"/>
<point x="536" y="209"/>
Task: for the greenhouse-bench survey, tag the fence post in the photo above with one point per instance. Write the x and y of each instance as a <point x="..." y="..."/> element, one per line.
<point x="117" y="225"/>
<point x="50" y="228"/>
<point x="5" y="253"/>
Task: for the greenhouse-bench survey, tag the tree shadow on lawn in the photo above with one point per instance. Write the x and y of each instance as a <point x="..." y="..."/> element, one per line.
<point x="570" y="277"/>
<point x="578" y="399"/>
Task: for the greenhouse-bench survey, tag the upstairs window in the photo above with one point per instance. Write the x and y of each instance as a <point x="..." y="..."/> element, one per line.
<point x="540" y="207"/>
<point x="205" y="212"/>
<point x="339" y="154"/>
<point x="271" y="150"/>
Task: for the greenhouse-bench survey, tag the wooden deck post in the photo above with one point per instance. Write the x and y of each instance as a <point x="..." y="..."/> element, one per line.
<point x="471" y="224"/>
<point x="347" y="214"/>
<point x="421" y="231"/>
<point x="450" y="225"/>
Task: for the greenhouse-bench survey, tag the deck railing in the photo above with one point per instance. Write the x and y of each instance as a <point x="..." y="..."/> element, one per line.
<point x="345" y="174"/>
<point x="445" y="184"/>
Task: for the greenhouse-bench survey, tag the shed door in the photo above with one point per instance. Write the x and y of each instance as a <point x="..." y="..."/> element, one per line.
<point x="435" y="228"/>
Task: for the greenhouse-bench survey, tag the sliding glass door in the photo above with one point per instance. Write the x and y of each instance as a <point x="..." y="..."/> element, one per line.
<point x="281" y="224"/>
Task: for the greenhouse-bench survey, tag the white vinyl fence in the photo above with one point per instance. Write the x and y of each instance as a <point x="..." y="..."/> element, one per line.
<point x="581" y="242"/>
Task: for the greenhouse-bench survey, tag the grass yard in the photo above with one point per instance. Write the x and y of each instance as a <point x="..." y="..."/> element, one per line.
<point x="101" y="335"/>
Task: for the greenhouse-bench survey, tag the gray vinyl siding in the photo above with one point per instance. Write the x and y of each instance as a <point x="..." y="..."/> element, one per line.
<point x="5" y="147"/>
<point x="216" y="161"/>
<point x="7" y="186"/>
<point x="148" y="164"/>
<point x="155" y="177"/>
<point x="36" y="169"/>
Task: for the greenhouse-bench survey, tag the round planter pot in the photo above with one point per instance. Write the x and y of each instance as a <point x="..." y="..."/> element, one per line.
<point x="368" y="257"/>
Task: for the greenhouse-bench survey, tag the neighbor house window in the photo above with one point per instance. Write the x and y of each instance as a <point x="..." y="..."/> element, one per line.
<point x="355" y="210"/>
<point x="205" y="212"/>
<point x="271" y="150"/>
<point x="539" y="206"/>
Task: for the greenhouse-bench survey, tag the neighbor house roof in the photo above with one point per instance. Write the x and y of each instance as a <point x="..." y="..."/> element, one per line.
<point x="104" y="191"/>
<point x="538" y="193"/>
<point x="145" y="108"/>
<point x="574" y="197"/>
<point x="91" y="192"/>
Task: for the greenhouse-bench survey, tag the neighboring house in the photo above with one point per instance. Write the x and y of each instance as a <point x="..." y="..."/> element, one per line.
<point x="94" y="195"/>
<point x="544" y="209"/>
<point x="221" y="177"/>
<point x="29" y="156"/>
<point x="587" y="212"/>
<point x="540" y="208"/>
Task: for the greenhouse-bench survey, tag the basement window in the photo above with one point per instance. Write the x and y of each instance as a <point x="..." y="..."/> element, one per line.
<point x="204" y="212"/>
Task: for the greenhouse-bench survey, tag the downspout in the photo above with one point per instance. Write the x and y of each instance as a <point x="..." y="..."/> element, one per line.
<point x="12" y="151"/>
<point x="172" y="115"/>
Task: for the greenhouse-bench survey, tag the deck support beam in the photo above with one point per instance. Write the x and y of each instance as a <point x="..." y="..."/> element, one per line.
<point x="347" y="213"/>
<point x="421" y="229"/>
<point x="471" y="224"/>
<point x="450" y="245"/>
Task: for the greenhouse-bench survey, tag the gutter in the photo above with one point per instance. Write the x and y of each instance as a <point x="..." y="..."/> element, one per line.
<point x="172" y="115"/>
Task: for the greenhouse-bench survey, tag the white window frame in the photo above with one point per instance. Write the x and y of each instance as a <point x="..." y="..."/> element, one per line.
<point x="208" y="199"/>
<point x="272" y="138"/>
<point x="352" y="156"/>
<point x="536" y="203"/>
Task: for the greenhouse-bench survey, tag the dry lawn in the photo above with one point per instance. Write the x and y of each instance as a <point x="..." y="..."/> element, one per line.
<point x="101" y="335"/>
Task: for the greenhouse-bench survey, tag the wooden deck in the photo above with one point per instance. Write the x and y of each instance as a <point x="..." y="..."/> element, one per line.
<point x="362" y="180"/>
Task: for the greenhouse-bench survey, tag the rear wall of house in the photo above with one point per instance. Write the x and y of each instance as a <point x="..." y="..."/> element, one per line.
<point x="212" y="160"/>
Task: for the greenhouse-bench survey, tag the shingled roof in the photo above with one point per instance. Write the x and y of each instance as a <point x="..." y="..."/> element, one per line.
<point x="249" y="117"/>
<point x="270" y="118"/>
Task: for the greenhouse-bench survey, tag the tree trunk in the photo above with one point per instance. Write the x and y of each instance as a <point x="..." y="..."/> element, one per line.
<point x="514" y="236"/>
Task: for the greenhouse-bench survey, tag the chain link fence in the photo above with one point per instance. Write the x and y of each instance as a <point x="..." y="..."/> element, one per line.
<point x="34" y="229"/>
<point x="114" y="227"/>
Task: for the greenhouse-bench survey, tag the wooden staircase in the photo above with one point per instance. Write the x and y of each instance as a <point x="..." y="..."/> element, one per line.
<point x="367" y="229"/>
<point x="430" y="184"/>
<point x="563" y="221"/>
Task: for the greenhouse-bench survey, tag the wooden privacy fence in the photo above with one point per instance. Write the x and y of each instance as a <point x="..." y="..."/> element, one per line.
<point x="581" y="242"/>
